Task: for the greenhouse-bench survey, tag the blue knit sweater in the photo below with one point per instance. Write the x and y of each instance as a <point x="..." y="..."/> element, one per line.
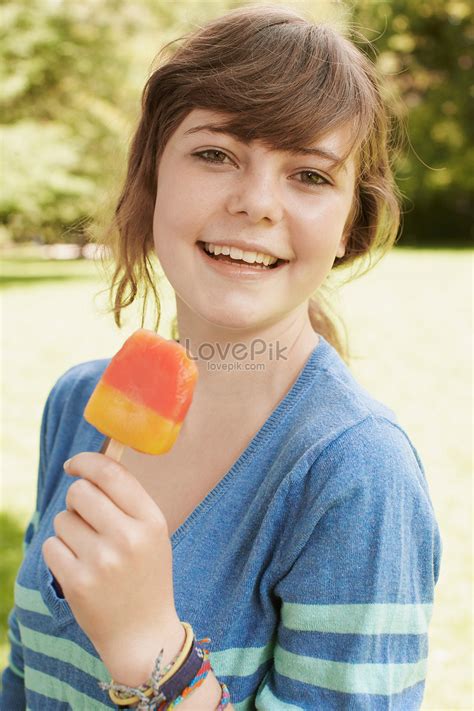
<point x="311" y="565"/>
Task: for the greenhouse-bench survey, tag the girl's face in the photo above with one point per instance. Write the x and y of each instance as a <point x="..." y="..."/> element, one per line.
<point x="214" y="189"/>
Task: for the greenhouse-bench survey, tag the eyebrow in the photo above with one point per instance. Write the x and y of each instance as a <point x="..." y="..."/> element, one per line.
<point x="320" y="152"/>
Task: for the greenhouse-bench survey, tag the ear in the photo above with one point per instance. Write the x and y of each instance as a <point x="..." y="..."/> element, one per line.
<point x="341" y="250"/>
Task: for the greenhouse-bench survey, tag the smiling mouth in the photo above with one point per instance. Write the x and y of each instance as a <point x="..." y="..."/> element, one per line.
<point x="229" y="260"/>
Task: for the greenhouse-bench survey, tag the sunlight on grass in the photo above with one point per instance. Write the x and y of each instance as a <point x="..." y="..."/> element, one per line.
<point x="408" y="328"/>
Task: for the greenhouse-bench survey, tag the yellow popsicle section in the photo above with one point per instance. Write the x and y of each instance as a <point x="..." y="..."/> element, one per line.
<point x="125" y="420"/>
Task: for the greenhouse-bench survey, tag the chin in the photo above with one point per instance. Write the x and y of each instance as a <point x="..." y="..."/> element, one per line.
<point x="230" y="319"/>
<point x="233" y="323"/>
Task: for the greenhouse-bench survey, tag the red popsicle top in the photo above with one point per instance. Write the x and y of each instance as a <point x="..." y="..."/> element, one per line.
<point x="154" y="371"/>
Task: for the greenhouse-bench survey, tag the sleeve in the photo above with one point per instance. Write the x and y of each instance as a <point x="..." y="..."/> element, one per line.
<point x="12" y="694"/>
<point x="357" y="598"/>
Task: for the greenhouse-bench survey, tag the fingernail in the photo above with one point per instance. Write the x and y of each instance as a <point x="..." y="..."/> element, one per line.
<point x="66" y="463"/>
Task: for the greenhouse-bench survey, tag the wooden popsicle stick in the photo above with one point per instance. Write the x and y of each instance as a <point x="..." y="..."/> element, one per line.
<point x="114" y="449"/>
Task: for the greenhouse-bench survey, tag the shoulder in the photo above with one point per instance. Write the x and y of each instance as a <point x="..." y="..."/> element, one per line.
<point x="367" y="488"/>
<point x="355" y="473"/>
<point x="342" y="397"/>
<point x="375" y="451"/>
<point x="62" y="414"/>
<point x="64" y="432"/>
<point x="385" y="481"/>
<point x="82" y="375"/>
<point x="334" y="409"/>
<point x="335" y="432"/>
<point x="370" y="473"/>
<point x="74" y="387"/>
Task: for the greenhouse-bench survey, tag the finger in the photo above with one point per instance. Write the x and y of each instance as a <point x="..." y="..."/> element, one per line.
<point x="94" y="507"/>
<point x="116" y="482"/>
<point x="76" y="534"/>
<point x="61" y="561"/>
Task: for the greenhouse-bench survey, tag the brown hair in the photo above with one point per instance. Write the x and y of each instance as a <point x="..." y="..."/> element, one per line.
<point x="282" y="79"/>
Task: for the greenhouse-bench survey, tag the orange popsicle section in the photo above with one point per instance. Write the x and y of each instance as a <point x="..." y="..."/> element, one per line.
<point x="144" y="393"/>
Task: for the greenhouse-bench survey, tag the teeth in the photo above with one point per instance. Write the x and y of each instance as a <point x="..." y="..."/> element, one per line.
<point x="250" y="257"/>
<point x="236" y="253"/>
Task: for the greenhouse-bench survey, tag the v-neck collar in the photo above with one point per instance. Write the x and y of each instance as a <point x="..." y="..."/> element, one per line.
<point x="304" y="379"/>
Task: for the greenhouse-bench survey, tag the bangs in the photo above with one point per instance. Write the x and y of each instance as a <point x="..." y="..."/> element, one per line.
<point x="286" y="85"/>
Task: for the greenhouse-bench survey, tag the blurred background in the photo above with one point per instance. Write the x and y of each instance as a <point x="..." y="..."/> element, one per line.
<point x="73" y="75"/>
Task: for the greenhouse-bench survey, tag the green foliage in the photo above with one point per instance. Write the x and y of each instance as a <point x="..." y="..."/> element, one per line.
<point x="67" y="105"/>
<point x="71" y="91"/>
<point x="74" y="71"/>
<point x="424" y="51"/>
<point x="44" y="184"/>
<point x="11" y="553"/>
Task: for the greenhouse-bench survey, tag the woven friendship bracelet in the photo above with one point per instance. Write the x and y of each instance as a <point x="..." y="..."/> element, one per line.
<point x="203" y="672"/>
<point x="225" y="698"/>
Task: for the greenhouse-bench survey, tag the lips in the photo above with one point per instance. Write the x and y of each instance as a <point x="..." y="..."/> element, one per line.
<point x="239" y="268"/>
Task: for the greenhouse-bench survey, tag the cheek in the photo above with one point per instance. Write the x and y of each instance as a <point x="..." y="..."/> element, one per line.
<point x="181" y="211"/>
<point x="169" y="219"/>
<point x="321" y="228"/>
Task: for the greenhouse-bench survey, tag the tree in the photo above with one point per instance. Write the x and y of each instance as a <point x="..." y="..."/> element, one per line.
<point x="75" y="71"/>
<point x="423" y="49"/>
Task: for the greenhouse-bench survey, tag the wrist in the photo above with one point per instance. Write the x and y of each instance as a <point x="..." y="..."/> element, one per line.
<point x="131" y="662"/>
<point x="206" y="697"/>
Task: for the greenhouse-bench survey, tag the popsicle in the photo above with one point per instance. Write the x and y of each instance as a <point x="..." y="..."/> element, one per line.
<point x="143" y="395"/>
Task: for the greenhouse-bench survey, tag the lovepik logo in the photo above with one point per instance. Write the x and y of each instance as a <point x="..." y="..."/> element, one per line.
<point x="237" y="351"/>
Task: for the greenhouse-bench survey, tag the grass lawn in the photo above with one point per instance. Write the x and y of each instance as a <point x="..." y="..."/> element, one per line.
<point x="409" y="328"/>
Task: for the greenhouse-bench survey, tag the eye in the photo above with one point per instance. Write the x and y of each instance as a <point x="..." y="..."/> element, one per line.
<point x="214" y="153"/>
<point x="313" y="179"/>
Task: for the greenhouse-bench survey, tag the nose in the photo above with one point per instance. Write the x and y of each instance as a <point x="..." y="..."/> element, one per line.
<point x="256" y="194"/>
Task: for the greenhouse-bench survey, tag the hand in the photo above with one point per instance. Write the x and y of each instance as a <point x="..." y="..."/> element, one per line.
<point x="112" y="557"/>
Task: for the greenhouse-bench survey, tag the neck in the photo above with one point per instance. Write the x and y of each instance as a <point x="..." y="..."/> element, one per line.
<point x="237" y="366"/>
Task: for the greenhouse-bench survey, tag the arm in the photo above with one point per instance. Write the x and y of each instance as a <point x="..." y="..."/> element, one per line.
<point x="12" y="695"/>
<point x="112" y="557"/>
<point x="357" y="598"/>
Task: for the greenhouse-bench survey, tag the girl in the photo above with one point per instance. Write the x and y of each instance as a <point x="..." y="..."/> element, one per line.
<point x="289" y="533"/>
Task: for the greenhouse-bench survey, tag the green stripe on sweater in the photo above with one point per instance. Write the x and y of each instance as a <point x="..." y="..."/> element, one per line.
<point x="376" y="618"/>
<point x="384" y="679"/>
<point x="30" y="600"/>
<point x="64" y="651"/>
<point x="49" y="686"/>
